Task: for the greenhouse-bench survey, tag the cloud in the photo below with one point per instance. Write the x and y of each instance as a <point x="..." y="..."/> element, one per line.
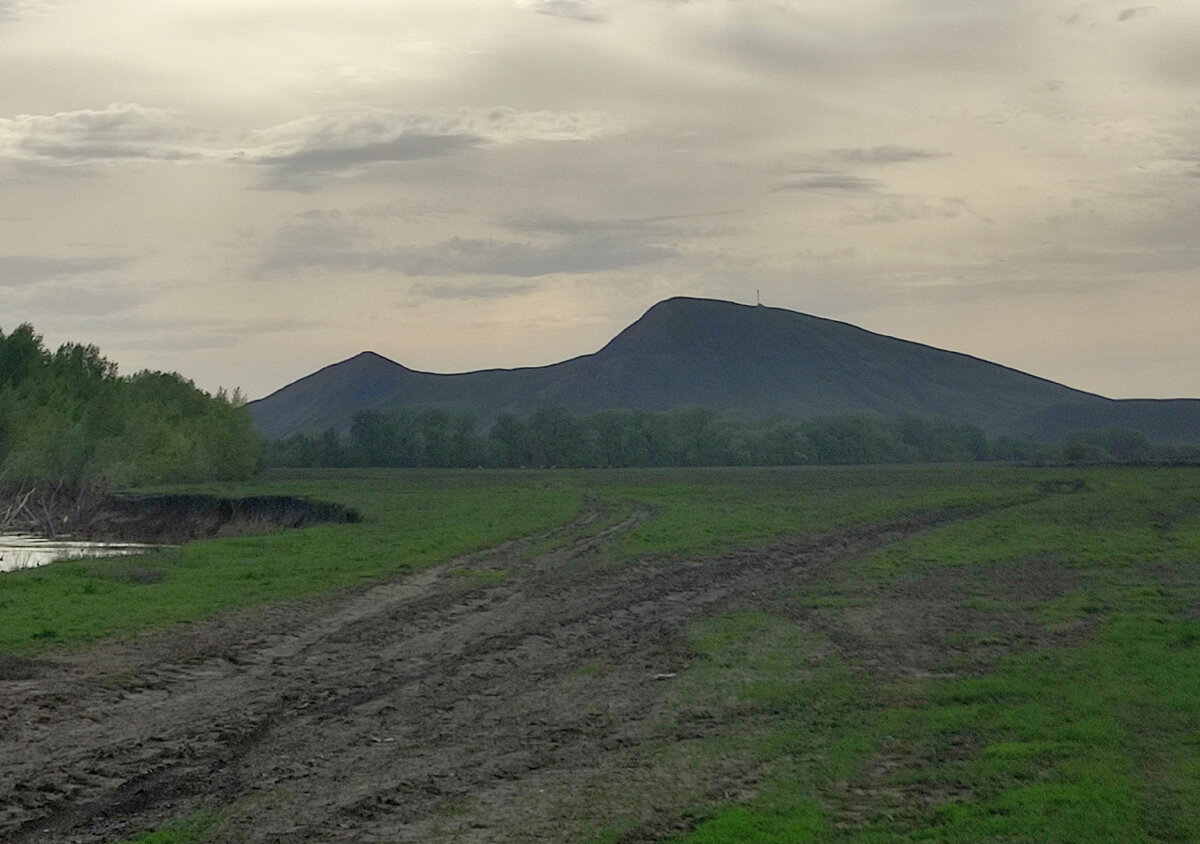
<point x="1135" y="12"/>
<point x="332" y="241"/>
<point x="301" y="154"/>
<point x="477" y="256"/>
<point x="367" y="126"/>
<point x="297" y="155"/>
<point x="121" y="131"/>
<point x="558" y="224"/>
<point x="13" y="9"/>
<point x="895" y="209"/>
<point x="825" y="171"/>
<point x="24" y="270"/>
<point x="320" y="239"/>
<point x="466" y="256"/>
<point x="580" y="10"/>
<point x="303" y="169"/>
<point x="831" y="183"/>
<point x="887" y="154"/>
<point x="470" y="291"/>
<point x="73" y="299"/>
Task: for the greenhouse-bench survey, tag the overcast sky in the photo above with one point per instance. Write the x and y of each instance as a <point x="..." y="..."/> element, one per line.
<point x="247" y="191"/>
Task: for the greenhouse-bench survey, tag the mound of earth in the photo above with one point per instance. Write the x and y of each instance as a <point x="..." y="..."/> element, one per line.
<point x="81" y="513"/>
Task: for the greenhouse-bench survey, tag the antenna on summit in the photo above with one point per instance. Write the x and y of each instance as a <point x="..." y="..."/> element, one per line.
<point x="758" y="297"/>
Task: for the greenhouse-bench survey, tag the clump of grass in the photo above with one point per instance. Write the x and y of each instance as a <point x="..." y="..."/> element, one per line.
<point x="198" y="828"/>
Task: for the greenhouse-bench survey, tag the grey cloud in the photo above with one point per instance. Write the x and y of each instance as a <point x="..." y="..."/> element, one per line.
<point x="13" y="9"/>
<point x="831" y="183"/>
<point x="577" y="9"/>
<point x="301" y="153"/>
<point x="558" y="224"/>
<point x="71" y="299"/>
<point x="1135" y="12"/>
<point x="584" y="254"/>
<point x="303" y="169"/>
<point x="928" y="37"/>
<point x="778" y="51"/>
<point x="471" y="291"/>
<point x="886" y="154"/>
<point x="331" y="241"/>
<point x="314" y="242"/>
<point x="898" y="209"/>
<point x="470" y="256"/>
<point x="823" y="172"/>
<point x="120" y="131"/>
<point x="23" y="270"/>
<point x="295" y="156"/>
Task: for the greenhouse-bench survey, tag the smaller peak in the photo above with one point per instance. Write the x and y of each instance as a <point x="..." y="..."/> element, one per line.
<point x="369" y="357"/>
<point x="366" y="362"/>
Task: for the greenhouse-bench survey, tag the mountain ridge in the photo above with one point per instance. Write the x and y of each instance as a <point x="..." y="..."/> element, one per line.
<point x="750" y="359"/>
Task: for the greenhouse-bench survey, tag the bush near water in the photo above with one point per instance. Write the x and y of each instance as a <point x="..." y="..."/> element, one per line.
<point x="67" y="416"/>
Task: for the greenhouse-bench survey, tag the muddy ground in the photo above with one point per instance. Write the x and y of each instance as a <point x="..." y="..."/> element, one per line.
<point x="461" y="703"/>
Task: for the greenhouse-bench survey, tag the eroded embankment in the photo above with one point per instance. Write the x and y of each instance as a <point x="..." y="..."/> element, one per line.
<point x="88" y="514"/>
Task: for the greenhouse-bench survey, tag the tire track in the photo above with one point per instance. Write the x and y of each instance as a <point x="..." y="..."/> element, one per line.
<point x="363" y="718"/>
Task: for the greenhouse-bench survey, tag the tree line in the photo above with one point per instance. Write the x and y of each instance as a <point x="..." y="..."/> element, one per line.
<point x="437" y="437"/>
<point x="67" y="416"/>
<point x="693" y="436"/>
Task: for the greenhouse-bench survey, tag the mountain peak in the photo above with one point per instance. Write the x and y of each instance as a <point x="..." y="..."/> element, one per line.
<point x="368" y="358"/>
<point x="727" y="356"/>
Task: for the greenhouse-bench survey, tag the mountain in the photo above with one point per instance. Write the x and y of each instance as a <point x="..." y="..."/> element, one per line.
<point x="751" y="359"/>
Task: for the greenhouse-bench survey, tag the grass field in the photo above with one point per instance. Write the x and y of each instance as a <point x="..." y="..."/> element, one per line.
<point x="418" y="518"/>
<point x="1060" y="703"/>
<point x="1028" y="671"/>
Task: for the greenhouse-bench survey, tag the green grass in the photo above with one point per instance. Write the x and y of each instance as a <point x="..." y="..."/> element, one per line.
<point x="195" y="829"/>
<point x="418" y="518"/>
<point x="1061" y="701"/>
<point x="1092" y="737"/>
<point x="700" y="511"/>
<point x="412" y="520"/>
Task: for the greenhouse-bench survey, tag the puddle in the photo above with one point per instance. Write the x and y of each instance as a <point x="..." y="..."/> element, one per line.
<point x="23" y="551"/>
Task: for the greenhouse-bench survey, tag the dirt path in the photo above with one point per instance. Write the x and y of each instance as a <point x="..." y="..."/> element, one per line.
<point x="375" y="716"/>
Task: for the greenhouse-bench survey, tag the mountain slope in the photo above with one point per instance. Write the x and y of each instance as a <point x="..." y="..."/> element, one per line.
<point x="731" y="357"/>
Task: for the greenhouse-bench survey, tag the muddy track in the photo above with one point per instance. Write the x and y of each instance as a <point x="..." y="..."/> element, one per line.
<point x="367" y="717"/>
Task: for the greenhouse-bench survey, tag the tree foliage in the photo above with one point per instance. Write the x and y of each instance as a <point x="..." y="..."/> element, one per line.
<point x="689" y="436"/>
<point x="68" y="416"/>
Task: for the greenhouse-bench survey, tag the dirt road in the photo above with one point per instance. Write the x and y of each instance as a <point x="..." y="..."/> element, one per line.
<point x="445" y="705"/>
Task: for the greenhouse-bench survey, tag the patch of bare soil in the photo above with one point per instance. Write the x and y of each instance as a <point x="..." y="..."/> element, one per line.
<point x="440" y="706"/>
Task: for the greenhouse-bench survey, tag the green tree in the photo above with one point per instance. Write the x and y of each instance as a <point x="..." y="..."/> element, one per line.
<point x="510" y="437"/>
<point x="69" y="416"/>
